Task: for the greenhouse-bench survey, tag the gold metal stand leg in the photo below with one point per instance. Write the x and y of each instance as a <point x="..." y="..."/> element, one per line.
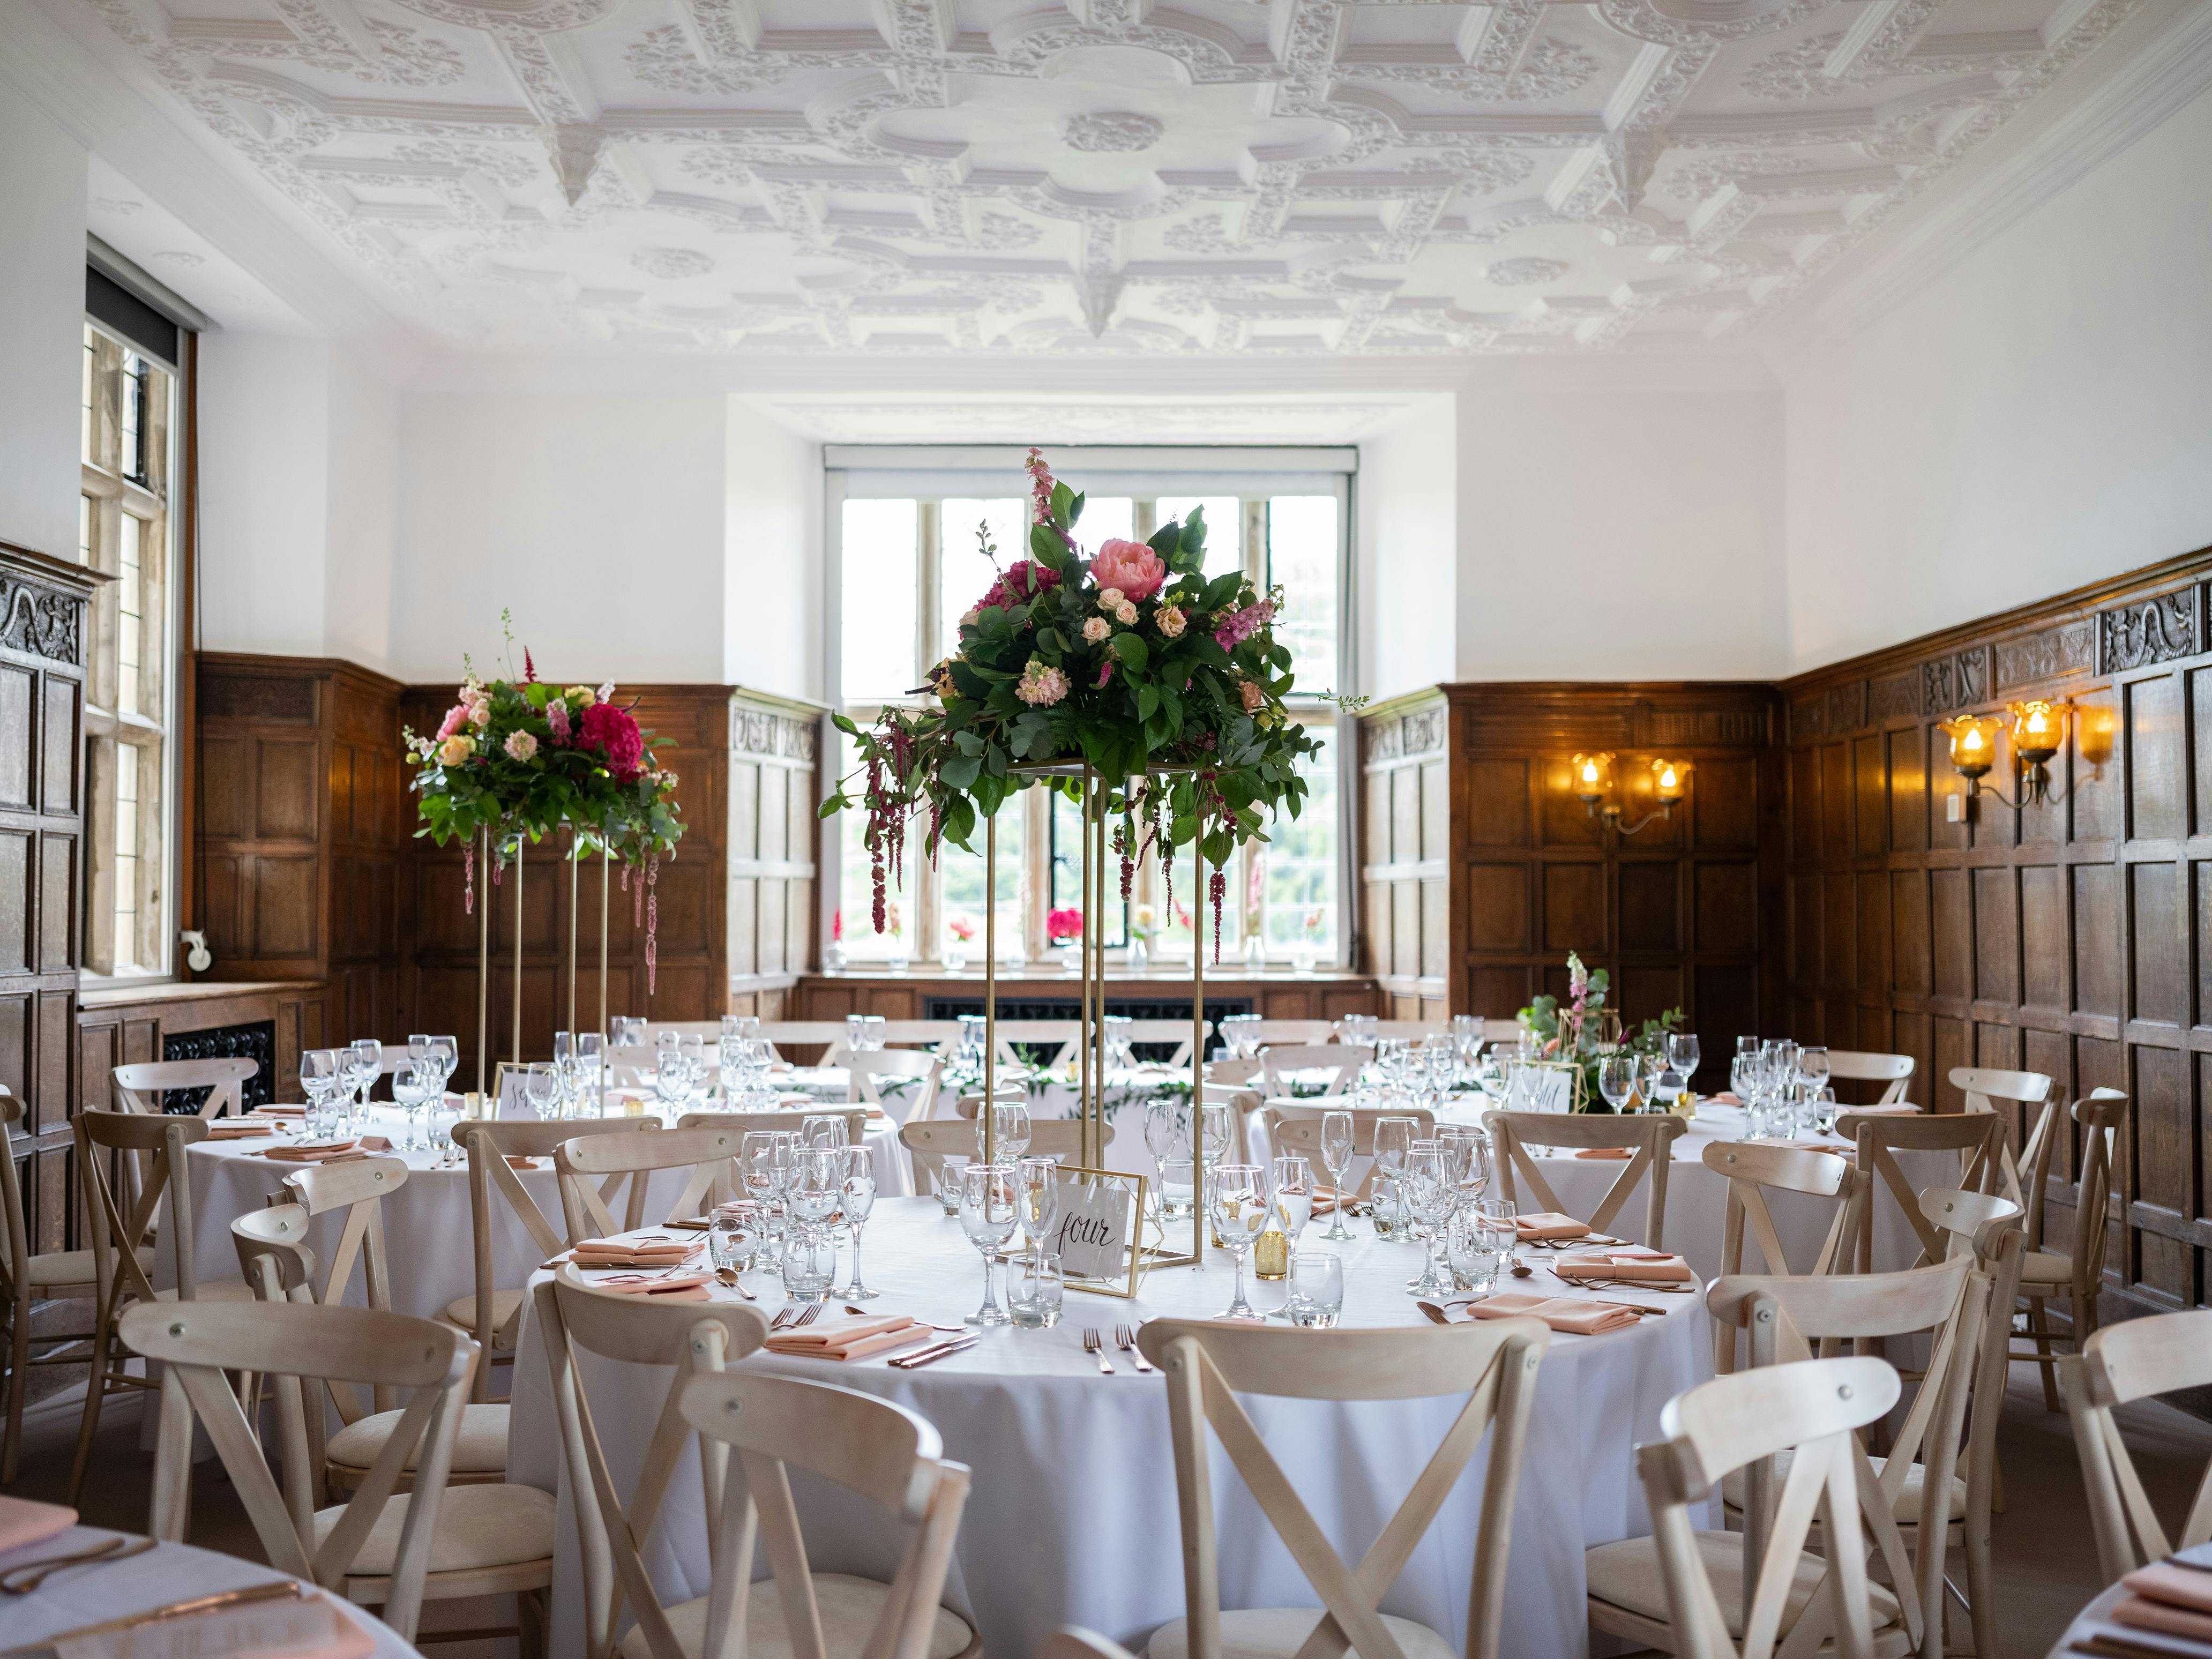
<point x="517" y="952"/>
<point x="484" y="954"/>
<point x="575" y="851"/>
<point x="1198" y="1058"/>
<point x="990" y="983"/>
<point x="606" y="887"/>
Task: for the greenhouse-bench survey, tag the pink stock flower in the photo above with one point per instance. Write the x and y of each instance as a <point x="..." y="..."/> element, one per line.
<point x="1040" y="487"/>
<point x="522" y="746"/>
<point x="480" y="712"/>
<point x="1040" y="687"/>
<point x="1238" y="626"/>
<point x="1131" y="567"/>
<point x="454" y="717"/>
<point x="556" y="716"/>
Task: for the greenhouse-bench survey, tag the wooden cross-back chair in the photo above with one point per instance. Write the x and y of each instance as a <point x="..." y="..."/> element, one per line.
<point x="1073" y="1642"/>
<point x="1296" y="1131"/>
<point x="828" y="1035"/>
<point x="912" y="1074"/>
<point x="928" y="1145"/>
<point x="1986" y="1088"/>
<point x="1278" y="1062"/>
<point x="1893" y="1072"/>
<point x="1704" y="1594"/>
<point x="489" y="1314"/>
<point x="1749" y="1168"/>
<point x="277" y="1261"/>
<point x="741" y="1124"/>
<point x="2076" y="1274"/>
<point x="1057" y="1038"/>
<point x="1208" y="1364"/>
<point x="879" y="1452"/>
<point x="1649" y="1138"/>
<point x="1878" y="1137"/>
<point x="1915" y="1501"/>
<point x="132" y="1168"/>
<point x="2158" y="1353"/>
<point x="587" y="1162"/>
<point x="1174" y="1034"/>
<point x="139" y="1087"/>
<point x="382" y="1548"/>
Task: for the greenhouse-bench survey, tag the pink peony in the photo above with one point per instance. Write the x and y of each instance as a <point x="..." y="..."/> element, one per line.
<point x="1238" y="626"/>
<point x="454" y="717"/>
<point x="1130" y="566"/>
<point x="556" y="716"/>
<point x="1040" y="687"/>
<point x="522" y="746"/>
<point x="614" y="733"/>
<point x="1023" y="580"/>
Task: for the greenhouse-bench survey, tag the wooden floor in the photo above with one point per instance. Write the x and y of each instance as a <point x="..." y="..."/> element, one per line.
<point x="2047" y="1561"/>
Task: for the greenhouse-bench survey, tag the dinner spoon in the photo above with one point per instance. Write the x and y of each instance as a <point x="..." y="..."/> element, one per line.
<point x="729" y="1276"/>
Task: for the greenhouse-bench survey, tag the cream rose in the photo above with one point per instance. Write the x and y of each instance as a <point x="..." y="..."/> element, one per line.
<point x="1097" y="630"/>
<point x="455" y="750"/>
<point x="1171" y="620"/>
<point x="1125" y="613"/>
<point x="1109" y="598"/>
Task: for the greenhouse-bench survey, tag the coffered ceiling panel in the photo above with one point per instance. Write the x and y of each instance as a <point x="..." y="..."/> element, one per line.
<point x="1100" y="176"/>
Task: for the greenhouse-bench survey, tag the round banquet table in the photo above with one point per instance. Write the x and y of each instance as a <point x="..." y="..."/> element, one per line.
<point x="429" y="1235"/>
<point x="167" y="1573"/>
<point x="1072" y="1515"/>
<point x="1697" y="1196"/>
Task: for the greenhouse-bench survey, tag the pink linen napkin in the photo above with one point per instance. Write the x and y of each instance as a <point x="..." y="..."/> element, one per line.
<point x="2144" y="1613"/>
<point x="1726" y="1097"/>
<point x="666" y="1287"/>
<point x="850" y="1339"/>
<point x="1549" y="1223"/>
<point x="657" y="1250"/>
<point x="278" y="1111"/>
<point x="1623" y="1153"/>
<point x="316" y="1152"/>
<point x="1564" y="1314"/>
<point x="238" y="1129"/>
<point x="2177" y="1587"/>
<point x="309" y="1628"/>
<point x="24" y="1522"/>
<point x="1654" y="1265"/>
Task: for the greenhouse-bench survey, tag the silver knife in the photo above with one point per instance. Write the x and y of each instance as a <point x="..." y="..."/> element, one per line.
<point x="943" y="1350"/>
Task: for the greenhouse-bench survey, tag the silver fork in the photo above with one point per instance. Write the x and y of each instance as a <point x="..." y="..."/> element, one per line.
<point x="1092" y="1344"/>
<point x="784" y="1316"/>
<point x="31" y="1575"/>
<point x="1125" y="1339"/>
<point x="812" y="1313"/>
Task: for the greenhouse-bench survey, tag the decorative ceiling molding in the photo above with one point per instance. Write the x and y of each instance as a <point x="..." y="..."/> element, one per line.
<point x="1092" y="420"/>
<point x="1099" y="177"/>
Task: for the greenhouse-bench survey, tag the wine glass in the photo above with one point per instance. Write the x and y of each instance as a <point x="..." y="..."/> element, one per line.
<point x="1430" y="1194"/>
<point x="817" y="1185"/>
<point x="627" y="1030"/>
<point x="988" y="1210"/>
<point x="413" y="1086"/>
<point x="1239" y="1207"/>
<point x="1393" y="1136"/>
<point x="322" y="1073"/>
<point x="1336" y="1144"/>
<point x="363" y="1068"/>
<point x="828" y="1132"/>
<point x="1037" y="1191"/>
<point x="1682" y="1056"/>
<point x="1214" y="1126"/>
<point x="1293" y="1195"/>
<point x="1812" y="1066"/>
<point x="541" y="1086"/>
<point x="1616" y="1078"/>
<point x="746" y="1026"/>
<point x="1010" y="1131"/>
<point x="588" y="1058"/>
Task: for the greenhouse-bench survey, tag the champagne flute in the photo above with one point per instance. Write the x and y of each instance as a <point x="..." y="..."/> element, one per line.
<point x="1038" y="1191"/>
<point x="1336" y="1144"/>
<point x="1293" y="1195"/>
<point x="988" y="1211"/>
<point x="1239" y="1207"/>
<point x="365" y="1066"/>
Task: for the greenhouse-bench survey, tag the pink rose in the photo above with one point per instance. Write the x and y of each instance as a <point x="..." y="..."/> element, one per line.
<point x="454" y="717"/>
<point x="1130" y="566"/>
<point x="1125" y="613"/>
<point x="480" y="712"/>
<point x="1171" y="622"/>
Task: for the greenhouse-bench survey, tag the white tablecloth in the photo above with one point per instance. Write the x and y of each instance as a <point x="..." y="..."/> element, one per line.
<point x="429" y="1234"/>
<point x="166" y="1573"/>
<point x="1072" y="1517"/>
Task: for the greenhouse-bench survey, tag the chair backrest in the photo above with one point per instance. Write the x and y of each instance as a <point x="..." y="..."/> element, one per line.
<point x="1894" y="1071"/>
<point x="1268" y="1031"/>
<point x="360" y="1190"/>
<point x="930" y="1144"/>
<point x="693" y="1337"/>
<point x="1988" y="1090"/>
<point x="139" y="1087"/>
<point x="1296" y="1131"/>
<point x="1342" y="1064"/>
<point x="1791" y="1319"/>
<point x="2156" y="1354"/>
<point x="1073" y="1642"/>
<point x="1811" y="1411"/>
<point x="2102" y="1115"/>
<point x="584" y="1163"/>
<point x="291" y="1342"/>
<point x="1749" y="1167"/>
<point x="879" y="1452"/>
<point x="914" y="1075"/>
<point x="132" y="1166"/>
<point x="1878" y="1137"/>
<point x="1057" y="1038"/>
<point x="1650" y="1137"/>
<point x="1208" y="1364"/>
<point x="274" y="1258"/>
<point x="1415" y="1029"/>
<point x="739" y="1124"/>
<point x="15" y="1247"/>
<point x="940" y="1036"/>
<point x="1174" y="1034"/>
<point x="828" y="1033"/>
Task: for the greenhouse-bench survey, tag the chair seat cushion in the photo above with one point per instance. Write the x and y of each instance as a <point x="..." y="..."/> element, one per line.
<point x="479" y="1526"/>
<point x="59" y="1267"/>
<point x="481" y="1448"/>
<point x="220" y="1290"/>
<point x="1626" y="1575"/>
<point x="1905" y="1510"/>
<point x="849" y="1608"/>
<point x="2045" y="1267"/>
<point x="1279" y="1632"/>
<point x="462" y="1310"/>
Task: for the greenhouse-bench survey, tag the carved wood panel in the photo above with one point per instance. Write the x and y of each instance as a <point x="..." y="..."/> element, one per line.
<point x="2070" y="938"/>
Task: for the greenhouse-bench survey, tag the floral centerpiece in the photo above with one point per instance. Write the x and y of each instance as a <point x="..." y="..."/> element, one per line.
<point x="1169" y="685"/>
<point x="1584" y="1028"/>
<point x="525" y="757"/>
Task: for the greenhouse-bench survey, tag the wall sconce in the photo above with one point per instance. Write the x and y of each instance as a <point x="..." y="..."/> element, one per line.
<point x="2039" y="733"/>
<point x="1592" y="782"/>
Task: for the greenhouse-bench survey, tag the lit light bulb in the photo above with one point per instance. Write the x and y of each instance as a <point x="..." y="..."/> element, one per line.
<point x="1667" y="778"/>
<point x="2035" y="722"/>
<point x="1589" y="771"/>
<point x="1973" y="740"/>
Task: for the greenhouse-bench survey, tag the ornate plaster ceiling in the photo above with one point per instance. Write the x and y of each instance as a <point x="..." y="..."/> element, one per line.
<point x="1101" y="176"/>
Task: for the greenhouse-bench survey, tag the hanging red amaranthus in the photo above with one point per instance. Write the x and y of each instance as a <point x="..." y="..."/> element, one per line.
<point x="651" y="921"/>
<point x="468" y="879"/>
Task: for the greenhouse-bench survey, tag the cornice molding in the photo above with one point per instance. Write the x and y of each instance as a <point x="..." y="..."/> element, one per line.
<point x="2040" y="155"/>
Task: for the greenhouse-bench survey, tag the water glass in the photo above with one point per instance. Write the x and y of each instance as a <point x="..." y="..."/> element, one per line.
<point x="322" y="1073"/>
<point x="1034" y="1286"/>
<point x="541" y="1086"/>
<point x="1393" y="1136"/>
<point x="947" y="1183"/>
<point x="810" y="1264"/>
<point x="733" y="1235"/>
<point x="1825" y="1110"/>
<point x="1177" y="1195"/>
<point x="1317" y="1297"/>
<point x="1473" y="1251"/>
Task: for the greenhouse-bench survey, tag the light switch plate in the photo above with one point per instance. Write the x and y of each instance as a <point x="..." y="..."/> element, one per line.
<point x="1955" y="809"/>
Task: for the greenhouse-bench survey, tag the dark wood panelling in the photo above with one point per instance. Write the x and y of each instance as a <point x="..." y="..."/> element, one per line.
<point x="2071" y="937"/>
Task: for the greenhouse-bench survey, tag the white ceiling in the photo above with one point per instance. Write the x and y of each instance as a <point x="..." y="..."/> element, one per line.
<point x="1406" y="177"/>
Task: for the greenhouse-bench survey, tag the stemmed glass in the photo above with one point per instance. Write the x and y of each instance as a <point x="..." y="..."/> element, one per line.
<point x="1812" y="1066"/>
<point x="1293" y="1195"/>
<point x="826" y="1132"/>
<point x="859" y="1203"/>
<point x="541" y="1087"/>
<point x="1393" y="1137"/>
<point x="1430" y="1194"/>
<point x="1037" y="1191"/>
<point x="1010" y="1131"/>
<point x="1616" y="1078"/>
<point x="989" y="1207"/>
<point x="1682" y="1056"/>
<point x="413" y="1086"/>
<point x="745" y="1026"/>
<point x="322" y="1073"/>
<point x="765" y="1158"/>
<point x="364" y="1066"/>
<point x="1213" y="1126"/>
<point x="1336" y="1142"/>
<point x="1239" y="1205"/>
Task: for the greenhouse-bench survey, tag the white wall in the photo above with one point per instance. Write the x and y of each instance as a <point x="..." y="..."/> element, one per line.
<point x="265" y="403"/>
<point x="772" y="612"/>
<point x="42" y="191"/>
<point x="1626" y="530"/>
<point x="2039" y="416"/>
<point x="599" y="521"/>
<point x="361" y="542"/>
<point x="1404" y="552"/>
